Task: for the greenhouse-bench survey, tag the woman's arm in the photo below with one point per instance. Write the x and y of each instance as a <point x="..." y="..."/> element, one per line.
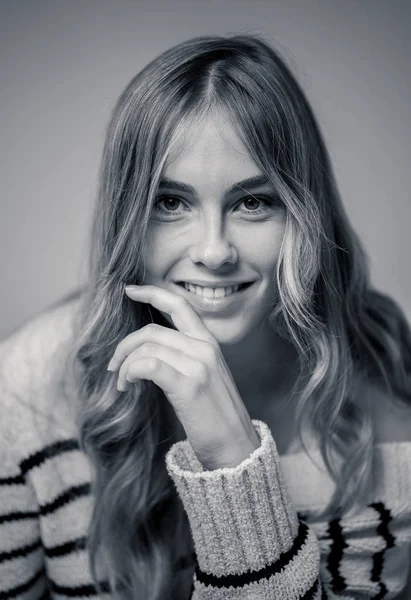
<point x="22" y="572"/>
<point x="250" y="542"/>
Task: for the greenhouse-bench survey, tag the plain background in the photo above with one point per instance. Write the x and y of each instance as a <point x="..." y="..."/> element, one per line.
<point x="64" y="63"/>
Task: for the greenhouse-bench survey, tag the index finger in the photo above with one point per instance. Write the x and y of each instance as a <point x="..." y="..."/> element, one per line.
<point x="184" y="317"/>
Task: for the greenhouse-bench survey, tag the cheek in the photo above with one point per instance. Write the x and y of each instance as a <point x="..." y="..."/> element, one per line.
<point x="264" y="247"/>
<point x="161" y="251"/>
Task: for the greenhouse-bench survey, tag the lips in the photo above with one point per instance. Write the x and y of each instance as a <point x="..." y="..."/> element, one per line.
<point x="222" y="304"/>
<point x="220" y="285"/>
<point x="213" y="292"/>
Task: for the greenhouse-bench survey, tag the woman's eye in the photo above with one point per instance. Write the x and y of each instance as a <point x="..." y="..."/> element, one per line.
<point x="167" y="204"/>
<point x="251" y="205"/>
<point x="257" y="204"/>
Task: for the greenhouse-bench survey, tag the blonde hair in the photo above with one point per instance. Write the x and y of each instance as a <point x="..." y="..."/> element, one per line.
<point x="342" y="327"/>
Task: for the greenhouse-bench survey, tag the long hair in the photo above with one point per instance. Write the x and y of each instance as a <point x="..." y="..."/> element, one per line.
<point x="344" y="330"/>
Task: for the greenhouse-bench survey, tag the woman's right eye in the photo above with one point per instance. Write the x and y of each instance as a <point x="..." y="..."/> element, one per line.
<point x="167" y="204"/>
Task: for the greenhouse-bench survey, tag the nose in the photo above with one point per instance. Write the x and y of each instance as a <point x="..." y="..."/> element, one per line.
<point x="211" y="245"/>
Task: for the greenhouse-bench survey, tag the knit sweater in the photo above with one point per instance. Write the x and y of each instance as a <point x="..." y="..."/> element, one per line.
<point x="250" y="524"/>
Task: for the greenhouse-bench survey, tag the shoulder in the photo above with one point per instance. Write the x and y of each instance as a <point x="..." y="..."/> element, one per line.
<point x="390" y="415"/>
<point x="33" y="390"/>
<point x="36" y="341"/>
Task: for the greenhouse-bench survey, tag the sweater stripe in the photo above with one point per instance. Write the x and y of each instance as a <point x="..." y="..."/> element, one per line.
<point x="18" y="552"/>
<point x="16" y="480"/>
<point x="66" y="548"/>
<point x="23" y="587"/>
<point x="36" y="459"/>
<point x="378" y="557"/>
<point x="19" y="516"/>
<point x="76" y="491"/>
<point x="335" y="556"/>
<point x="243" y="579"/>
<point x="88" y="589"/>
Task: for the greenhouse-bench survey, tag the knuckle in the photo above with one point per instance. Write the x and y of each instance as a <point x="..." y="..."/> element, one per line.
<point x="148" y="348"/>
<point x="154" y="363"/>
<point x="131" y="373"/>
<point x="201" y="373"/>
<point x="152" y="328"/>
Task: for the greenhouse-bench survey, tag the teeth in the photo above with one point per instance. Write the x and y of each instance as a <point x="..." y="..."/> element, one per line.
<point x="219" y="293"/>
<point x="209" y="292"/>
<point x="206" y="292"/>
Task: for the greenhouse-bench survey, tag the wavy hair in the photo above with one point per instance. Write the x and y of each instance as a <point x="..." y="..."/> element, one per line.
<point x="344" y="330"/>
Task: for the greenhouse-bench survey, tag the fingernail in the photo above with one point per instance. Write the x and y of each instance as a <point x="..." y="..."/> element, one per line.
<point x="122" y="387"/>
<point x="110" y="365"/>
<point x="131" y="288"/>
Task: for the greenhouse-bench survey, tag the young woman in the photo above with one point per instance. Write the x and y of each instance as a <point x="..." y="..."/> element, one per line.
<point x="224" y="411"/>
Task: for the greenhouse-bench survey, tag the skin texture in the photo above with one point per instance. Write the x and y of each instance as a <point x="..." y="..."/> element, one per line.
<point x="213" y="237"/>
<point x="211" y="240"/>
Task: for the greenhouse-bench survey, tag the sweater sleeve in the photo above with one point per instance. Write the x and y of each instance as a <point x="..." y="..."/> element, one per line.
<point x="22" y="561"/>
<point x="249" y="540"/>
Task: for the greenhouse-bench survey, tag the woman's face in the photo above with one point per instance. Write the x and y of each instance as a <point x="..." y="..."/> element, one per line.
<point x="214" y="229"/>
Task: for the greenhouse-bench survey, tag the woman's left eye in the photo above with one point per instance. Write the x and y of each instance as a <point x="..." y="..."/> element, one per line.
<point x="259" y="204"/>
<point x="255" y="202"/>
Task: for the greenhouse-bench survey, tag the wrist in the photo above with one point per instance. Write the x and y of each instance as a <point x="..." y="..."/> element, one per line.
<point x="234" y="455"/>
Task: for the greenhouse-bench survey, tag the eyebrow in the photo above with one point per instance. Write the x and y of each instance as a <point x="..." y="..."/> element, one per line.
<point x="250" y="182"/>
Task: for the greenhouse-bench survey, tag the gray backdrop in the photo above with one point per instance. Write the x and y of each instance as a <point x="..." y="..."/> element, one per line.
<point x="63" y="64"/>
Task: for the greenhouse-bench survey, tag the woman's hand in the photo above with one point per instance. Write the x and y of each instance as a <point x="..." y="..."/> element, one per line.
<point x="188" y="365"/>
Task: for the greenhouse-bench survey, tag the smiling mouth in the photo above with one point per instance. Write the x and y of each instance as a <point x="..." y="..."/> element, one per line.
<point x="213" y="293"/>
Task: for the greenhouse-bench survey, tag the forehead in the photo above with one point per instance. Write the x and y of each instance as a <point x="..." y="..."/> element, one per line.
<point x="208" y="145"/>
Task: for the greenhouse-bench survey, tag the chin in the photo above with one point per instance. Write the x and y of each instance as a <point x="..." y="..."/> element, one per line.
<point x="225" y="333"/>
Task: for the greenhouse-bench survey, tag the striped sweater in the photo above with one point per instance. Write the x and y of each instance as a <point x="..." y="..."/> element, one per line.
<point x="251" y="526"/>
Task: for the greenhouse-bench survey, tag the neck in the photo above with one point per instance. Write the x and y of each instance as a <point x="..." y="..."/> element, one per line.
<point x="263" y="366"/>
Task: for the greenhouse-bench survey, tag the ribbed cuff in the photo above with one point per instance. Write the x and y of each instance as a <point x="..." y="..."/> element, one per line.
<point x="242" y="517"/>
